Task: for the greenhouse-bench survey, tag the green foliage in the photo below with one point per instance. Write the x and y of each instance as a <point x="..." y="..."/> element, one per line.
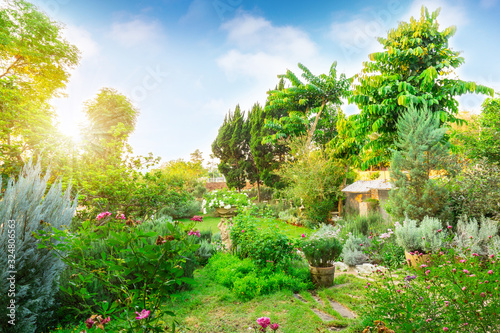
<point x="442" y="295"/>
<point x="323" y="247"/>
<point x="232" y="147"/>
<point x="475" y="191"/>
<point x="27" y="207"/>
<point x="413" y="69"/>
<point x="261" y="240"/>
<point x="420" y="152"/>
<point x="35" y="65"/>
<point x="111" y="116"/>
<point x="314" y="181"/>
<point x="139" y="269"/>
<point x="480" y="139"/>
<point x="179" y="209"/>
<point x="306" y="103"/>
<point x="184" y="174"/>
<point x="225" y="199"/>
<point x="246" y="280"/>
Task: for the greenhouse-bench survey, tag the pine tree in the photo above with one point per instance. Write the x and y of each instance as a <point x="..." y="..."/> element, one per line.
<point x="420" y="151"/>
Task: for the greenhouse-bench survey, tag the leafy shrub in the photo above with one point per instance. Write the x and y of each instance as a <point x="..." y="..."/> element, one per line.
<point x="450" y="295"/>
<point x="224" y="199"/>
<point x="353" y="251"/>
<point x="121" y="259"/>
<point x="28" y="207"/>
<point x="199" y="190"/>
<point x="479" y="238"/>
<point x="266" y="193"/>
<point x="428" y="237"/>
<point x="181" y="209"/>
<point x="205" y="251"/>
<point x="358" y="224"/>
<point x="475" y="192"/>
<point x="262" y="242"/>
<point x="247" y="280"/>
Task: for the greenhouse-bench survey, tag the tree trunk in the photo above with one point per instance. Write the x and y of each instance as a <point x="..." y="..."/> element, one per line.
<point x="343" y="186"/>
<point x="313" y="128"/>
<point x="258" y="191"/>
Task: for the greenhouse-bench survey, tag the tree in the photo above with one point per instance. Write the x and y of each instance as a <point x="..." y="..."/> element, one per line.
<point x="305" y="101"/>
<point x="231" y="147"/>
<point x="480" y="139"/>
<point x="415" y="68"/>
<point x="420" y="152"/>
<point x="111" y="116"/>
<point x="35" y="64"/>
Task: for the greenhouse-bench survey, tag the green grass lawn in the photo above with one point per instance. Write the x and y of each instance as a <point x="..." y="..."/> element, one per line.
<point x="210" y="223"/>
<point x="210" y="307"/>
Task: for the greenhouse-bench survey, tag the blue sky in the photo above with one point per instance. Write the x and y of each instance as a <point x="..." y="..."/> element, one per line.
<point x="185" y="63"/>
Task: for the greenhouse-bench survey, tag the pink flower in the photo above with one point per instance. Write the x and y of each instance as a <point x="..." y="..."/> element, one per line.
<point x="462" y="260"/>
<point x="398" y="291"/>
<point x="120" y="216"/>
<point x="242" y="230"/>
<point x="491" y="256"/>
<point x="428" y="320"/>
<point x="143" y="315"/>
<point x="483" y="295"/>
<point x="475" y="255"/>
<point x="490" y="272"/>
<point x="449" y="227"/>
<point x="439" y="230"/>
<point x="427" y="272"/>
<point x="445" y="328"/>
<point x="423" y="265"/>
<point x="197" y="218"/>
<point x="446" y="303"/>
<point x="89" y="323"/>
<point x="264" y="322"/>
<point x="463" y="288"/>
<point x="428" y="287"/>
<point x="274" y="326"/>
<point x="466" y="271"/>
<point x="194" y="232"/>
<point x="105" y="321"/>
<point x="465" y="324"/>
<point x="454" y="270"/>
<point x="303" y="236"/>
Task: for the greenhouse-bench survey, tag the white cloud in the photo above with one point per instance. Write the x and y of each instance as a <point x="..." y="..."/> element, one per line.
<point x="197" y="11"/>
<point x="136" y="32"/>
<point x="82" y="39"/>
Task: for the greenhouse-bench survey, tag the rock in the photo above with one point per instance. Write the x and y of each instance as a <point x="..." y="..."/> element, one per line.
<point x="368" y="269"/>
<point x="340" y="266"/>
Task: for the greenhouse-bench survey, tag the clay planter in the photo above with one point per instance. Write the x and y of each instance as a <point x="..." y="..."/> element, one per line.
<point x="415" y="260"/>
<point x="223" y="212"/>
<point x="322" y="276"/>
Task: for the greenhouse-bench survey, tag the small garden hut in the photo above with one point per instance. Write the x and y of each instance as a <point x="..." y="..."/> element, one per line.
<point x="364" y="196"/>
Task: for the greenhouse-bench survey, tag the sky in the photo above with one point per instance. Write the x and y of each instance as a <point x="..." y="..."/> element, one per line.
<point x="186" y="63"/>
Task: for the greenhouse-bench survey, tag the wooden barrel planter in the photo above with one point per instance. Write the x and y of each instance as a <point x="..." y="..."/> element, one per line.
<point x="322" y="276"/>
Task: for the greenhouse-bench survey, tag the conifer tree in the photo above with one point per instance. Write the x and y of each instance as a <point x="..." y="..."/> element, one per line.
<point x="420" y="151"/>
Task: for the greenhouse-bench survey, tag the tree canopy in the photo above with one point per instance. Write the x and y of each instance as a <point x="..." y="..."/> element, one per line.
<point x="416" y="67"/>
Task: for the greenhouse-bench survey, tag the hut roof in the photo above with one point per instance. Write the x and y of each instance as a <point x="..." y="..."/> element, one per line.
<point x="364" y="186"/>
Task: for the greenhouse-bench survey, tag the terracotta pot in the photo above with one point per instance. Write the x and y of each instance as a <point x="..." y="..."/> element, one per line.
<point x="322" y="276"/>
<point x="223" y="212"/>
<point x="415" y="260"/>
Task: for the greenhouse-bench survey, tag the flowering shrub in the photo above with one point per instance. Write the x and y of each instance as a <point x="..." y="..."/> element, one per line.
<point x="265" y="322"/>
<point x="323" y="247"/>
<point x="137" y="268"/>
<point x="451" y="295"/>
<point x="224" y="199"/>
<point x="382" y="249"/>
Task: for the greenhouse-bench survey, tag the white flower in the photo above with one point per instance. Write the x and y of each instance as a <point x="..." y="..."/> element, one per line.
<point x="227" y="206"/>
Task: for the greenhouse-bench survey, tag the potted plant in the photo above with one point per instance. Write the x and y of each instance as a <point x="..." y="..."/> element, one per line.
<point x="419" y="241"/>
<point x="321" y="250"/>
<point x="225" y="202"/>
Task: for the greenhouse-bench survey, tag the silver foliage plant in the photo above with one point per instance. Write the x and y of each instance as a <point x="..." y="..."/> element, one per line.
<point x="478" y="236"/>
<point x="426" y="236"/>
<point x="352" y="252"/>
<point x="33" y="208"/>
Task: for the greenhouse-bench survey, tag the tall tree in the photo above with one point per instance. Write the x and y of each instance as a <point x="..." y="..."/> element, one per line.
<point x="414" y="68"/>
<point x="306" y="100"/>
<point x="231" y="147"/>
<point x="35" y="63"/>
<point x="111" y="116"/>
<point x="420" y="151"/>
